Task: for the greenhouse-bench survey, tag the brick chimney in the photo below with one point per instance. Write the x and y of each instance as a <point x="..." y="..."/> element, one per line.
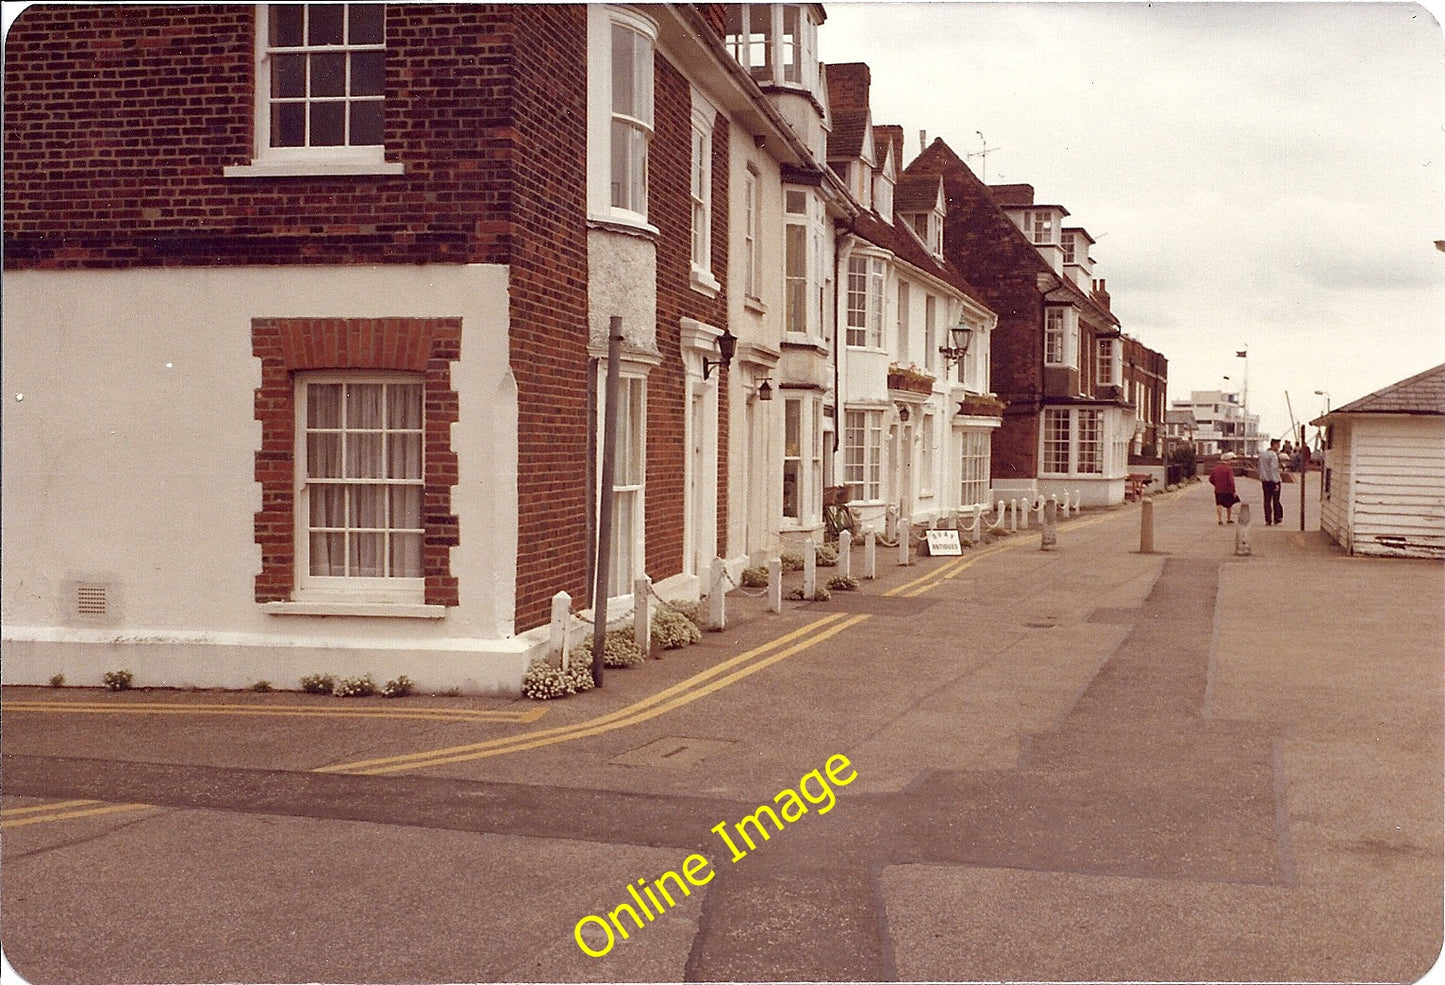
<point x="1101" y="293"/>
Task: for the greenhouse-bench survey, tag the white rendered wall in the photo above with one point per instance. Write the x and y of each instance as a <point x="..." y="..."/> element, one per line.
<point x="129" y="442"/>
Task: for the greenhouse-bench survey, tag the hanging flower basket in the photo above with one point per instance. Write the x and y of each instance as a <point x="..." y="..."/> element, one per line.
<point x="978" y="405"/>
<point x="909" y="379"/>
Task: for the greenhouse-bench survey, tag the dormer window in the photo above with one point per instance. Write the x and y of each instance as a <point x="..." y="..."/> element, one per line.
<point x="929" y="227"/>
<point x="1040" y="227"/>
<point x="1069" y="248"/>
<point x="776" y="43"/>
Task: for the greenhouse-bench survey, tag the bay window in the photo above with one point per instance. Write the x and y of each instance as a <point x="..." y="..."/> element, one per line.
<point x="1107" y="366"/>
<point x="973" y="467"/>
<point x="865" y="302"/>
<point x="1061" y="336"/>
<point x="1072" y="441"/>
<point x="619" y="112"/>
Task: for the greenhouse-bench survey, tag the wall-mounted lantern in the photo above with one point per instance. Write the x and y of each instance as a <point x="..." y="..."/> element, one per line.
<point x="727" y="344"/>
<point x="765" y="390"/>
<point x="959" y="338"/>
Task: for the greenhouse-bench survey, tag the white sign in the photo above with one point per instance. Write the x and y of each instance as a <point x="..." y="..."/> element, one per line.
<point x="942" y="543"/>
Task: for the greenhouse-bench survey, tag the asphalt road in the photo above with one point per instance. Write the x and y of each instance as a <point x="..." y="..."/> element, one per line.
<point x="1084" y="764"/>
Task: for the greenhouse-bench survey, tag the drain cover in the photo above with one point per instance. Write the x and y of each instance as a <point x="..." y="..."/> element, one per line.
<point x="672" y="752"/>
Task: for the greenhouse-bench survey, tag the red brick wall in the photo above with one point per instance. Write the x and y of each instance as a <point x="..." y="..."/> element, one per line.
<point x="286" y="346"/>
<point x="549" y="328"/>
<point x="120" y="118"/>
<point x="670" y="209"/>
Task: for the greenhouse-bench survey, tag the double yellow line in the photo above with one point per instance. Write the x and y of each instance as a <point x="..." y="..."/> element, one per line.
<point x="283" y="711"/>
<point x="63" y="810"/>
<point x="682" y="693"/>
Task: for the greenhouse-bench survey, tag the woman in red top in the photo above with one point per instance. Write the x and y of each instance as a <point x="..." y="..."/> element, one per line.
<point x="1222" y="479"/>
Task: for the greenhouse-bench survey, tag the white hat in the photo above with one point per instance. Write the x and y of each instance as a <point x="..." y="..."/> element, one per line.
<point x="1227" y="457"/>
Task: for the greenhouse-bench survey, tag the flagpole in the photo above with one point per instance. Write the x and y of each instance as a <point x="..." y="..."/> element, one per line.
<point x="1244" y="354"/>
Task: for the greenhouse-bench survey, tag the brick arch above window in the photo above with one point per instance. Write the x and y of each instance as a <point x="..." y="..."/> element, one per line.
<point x="286" y="346"/>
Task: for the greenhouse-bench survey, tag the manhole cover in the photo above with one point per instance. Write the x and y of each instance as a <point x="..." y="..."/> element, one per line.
<point x="672" y="752"/>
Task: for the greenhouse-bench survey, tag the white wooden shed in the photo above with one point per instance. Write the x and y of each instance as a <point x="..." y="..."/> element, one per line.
<point x="1384" y="482"/>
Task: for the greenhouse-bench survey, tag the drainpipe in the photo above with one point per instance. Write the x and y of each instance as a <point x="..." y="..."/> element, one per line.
<point x="842" y="250"/>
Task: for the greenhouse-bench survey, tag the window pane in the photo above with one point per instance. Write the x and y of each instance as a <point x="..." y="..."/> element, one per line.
<point x="403" y="456"/>
<point x="327" y="121"/>
<point x="328" y="555"/>
<point x="406" y="556"/>
<point x="364" y="405"/>
<point x="325" y="22"/>
<point x="328" y="505"/>
<point x="288" y="76"/>
<point x="624" y="71"/>
<point x="368" y="73"/>
<point x="288" y="125"/>
<point x="366" y="125"/>
<point x="405" y="506"/>
<point x="363" y="456"/>
<point x="367" y="507"/>
<point x="328" y="74"/>
<point x="323" y="456"/>
<point x="286" y="25"/>
<point x="367" y="23"/>
<point x="367" y="554"/>
<point x="323" y="405"/>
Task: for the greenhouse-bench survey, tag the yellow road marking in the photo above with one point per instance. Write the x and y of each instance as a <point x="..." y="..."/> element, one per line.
<point x="46" y="807"/>
<point x="68" y="815"/>
<point x="292" y="711"/>
<point x="630" y="710"/>
<point x="632" y="715"/>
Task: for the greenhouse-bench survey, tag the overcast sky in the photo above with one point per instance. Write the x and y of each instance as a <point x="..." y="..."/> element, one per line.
<point x="1258" y="176"/>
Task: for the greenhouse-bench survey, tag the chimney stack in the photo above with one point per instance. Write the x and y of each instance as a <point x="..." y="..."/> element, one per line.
<point x="922" y="141"/>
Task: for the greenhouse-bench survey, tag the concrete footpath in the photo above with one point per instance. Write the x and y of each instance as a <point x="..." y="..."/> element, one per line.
<point x="1083" y="764"/>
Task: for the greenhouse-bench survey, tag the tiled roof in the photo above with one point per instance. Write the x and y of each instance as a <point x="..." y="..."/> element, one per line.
<point x="916" y="193"/>
<point x="906" y="247"/>
<point x="1423" y="393"/>
<point x="884" y="136"/>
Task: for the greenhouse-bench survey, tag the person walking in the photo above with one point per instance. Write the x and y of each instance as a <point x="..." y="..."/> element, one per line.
<point x="1270" y="479"/>
<point x="1222" y="479"/>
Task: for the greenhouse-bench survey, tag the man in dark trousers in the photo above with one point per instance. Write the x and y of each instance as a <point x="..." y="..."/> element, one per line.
<point x="1270" y="478"/>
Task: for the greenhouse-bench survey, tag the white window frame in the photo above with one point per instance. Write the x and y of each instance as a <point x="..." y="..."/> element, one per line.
<point x="1108" y="367"/>
<point x="700" y="193"/>
<point x="770" y="53"/>
<point x="629" y="483"/>
<point x="803" y="450"/>
<point x="863" y="453"/>
<point x="974" y="447"/>
<point x="752" y="239"/>
<point x="603" y="115"/>
<point x="926" y="456"/>
<point x="905" y="304"/>
<point x="1073" y="436"/>
<point x="1061" y="336"/>
<point x="866" y="278"/>
<point x="930" y="332"/>
<point x="266" y="161"/>
<point x="1041" y="227"/>
<point x="352" y="588"/>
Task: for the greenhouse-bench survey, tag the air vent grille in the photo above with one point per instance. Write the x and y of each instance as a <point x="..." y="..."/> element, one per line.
<point x="91" y="600"/>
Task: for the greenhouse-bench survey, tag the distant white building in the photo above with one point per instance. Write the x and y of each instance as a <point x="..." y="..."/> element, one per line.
<point x="1220" y="423"/>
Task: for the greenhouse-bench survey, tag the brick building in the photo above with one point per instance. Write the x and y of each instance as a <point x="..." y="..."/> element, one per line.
<point x="305" y="311"/>
<point x="1060" y="359"/>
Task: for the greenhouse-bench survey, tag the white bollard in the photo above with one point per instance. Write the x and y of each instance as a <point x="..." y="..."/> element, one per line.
<point x="1050" y="540"/>
<point x="845" y="553"/>
<point x="1241" y="532"/>
<point x="775" y="584"/>
<point x="561" y="620"/>
<point x="1078" y="501"/>
<point x="642" y="613"/>
<point x="717" y="617"/>
<point x="1013" y="516"/>
<point x="905" y="534"/>
<point x="870" y="554"/>
<point x="810" y="569"/>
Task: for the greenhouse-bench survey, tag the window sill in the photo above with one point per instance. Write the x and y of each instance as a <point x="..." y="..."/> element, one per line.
<point x="754" y="305"/>
<point x="316" y="168"/>
<point x="390" y="610"/>
<point x="801" y="340"/>
<point x="705" y="283"/>
<point x="625" y="224"/>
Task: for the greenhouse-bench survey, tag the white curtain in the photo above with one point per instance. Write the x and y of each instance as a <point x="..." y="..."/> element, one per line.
<point x="358" y="432"/>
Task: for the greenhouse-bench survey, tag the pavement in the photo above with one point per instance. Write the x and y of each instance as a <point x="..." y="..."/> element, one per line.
<point x="1091" y="763"/>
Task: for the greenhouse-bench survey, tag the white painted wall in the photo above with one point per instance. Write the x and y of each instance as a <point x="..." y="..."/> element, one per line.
<point x="129" y="438"/>
<point x="1396" y="483"/>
